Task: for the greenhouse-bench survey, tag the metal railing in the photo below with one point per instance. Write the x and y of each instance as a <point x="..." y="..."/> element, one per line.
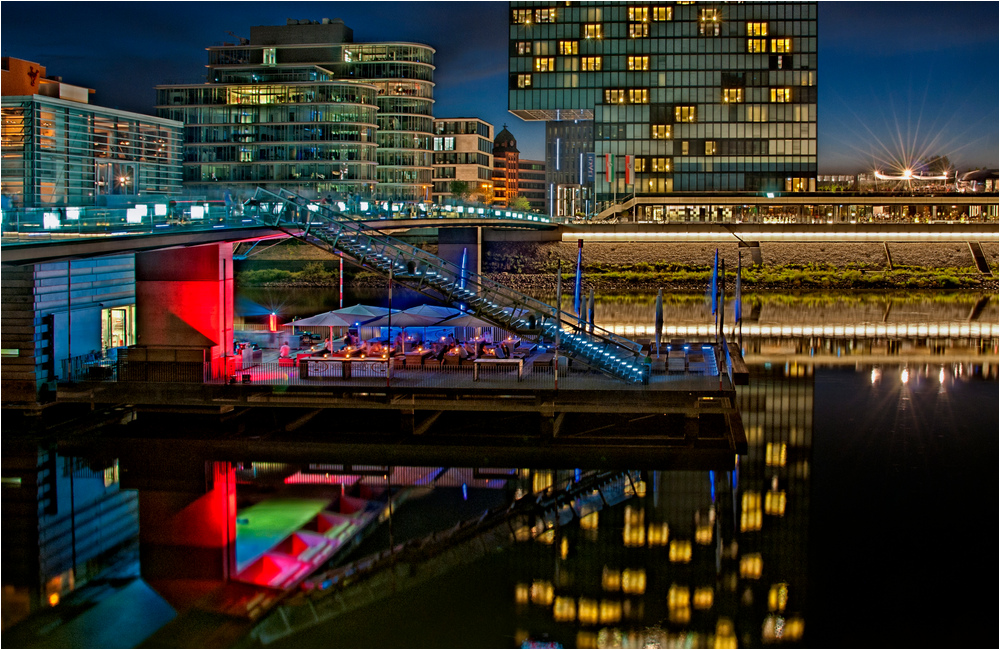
<point x="449" y="283"/>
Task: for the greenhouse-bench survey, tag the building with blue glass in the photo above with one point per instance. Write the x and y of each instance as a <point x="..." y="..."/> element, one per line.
<point x="653" y="99"/>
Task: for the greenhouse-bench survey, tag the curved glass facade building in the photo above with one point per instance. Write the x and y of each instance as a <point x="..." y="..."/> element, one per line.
<point x="296" y="128"/>
<point x="311" y="93"/>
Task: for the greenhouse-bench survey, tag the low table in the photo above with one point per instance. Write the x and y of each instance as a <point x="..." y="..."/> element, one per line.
<point x="477" y="363"/>
<point x="342" y="368"/>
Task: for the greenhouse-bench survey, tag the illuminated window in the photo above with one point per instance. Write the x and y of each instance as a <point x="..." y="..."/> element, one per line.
<point x="781" y="45"/>
<point x="638" y="63"/>
<point x="523" y="48"/>
<point x="521" y="17"/>
<point x="756" y="45"/>
<point x="732" y="95"/>
<point x="638" y="96"/>
<point x="684" y="148"/>
<point x="524" y="81"/>
<point x="684" y="114"/>
<point x="781" y="95"/>
<point x="756" y="113"/>
<point x="660" y="164"/>
<point x="660" y="131"/>
<point x="638" y="14"/>
<point x="776" y="454"/>
<point x="593" y="30"/>
<point x="796" y="184"/>
<point x="638" y="30"/>
<point x="640" y="164"/>
<point x="270" y="56"/>
<point x="709" y="22"/>
<point x="591" y="63"/>
<point x="756" y="29"/>
<point x="663" y="13"/>
<point x="545" y="15"/>
<point x="710" y="147"/>
<point x="545" y="64"/>
<point x="614" y="96"/>
<point x="568" y="47"/>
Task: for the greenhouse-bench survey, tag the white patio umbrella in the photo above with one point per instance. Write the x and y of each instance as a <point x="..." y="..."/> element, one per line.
<point x="432" y="310"/>
<point x="326" y="319"/>
<point x="363" y="312"/>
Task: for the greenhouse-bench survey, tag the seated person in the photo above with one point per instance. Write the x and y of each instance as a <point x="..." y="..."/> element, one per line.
<point x="284" y="351"/>
<point x="500" y="352"/>
<point x="375" y="348"/>
<point x="328" y="347"/>
<point x="461" y="351"/>
<point x="451" y="341"/>
<point x="438" y="350"/>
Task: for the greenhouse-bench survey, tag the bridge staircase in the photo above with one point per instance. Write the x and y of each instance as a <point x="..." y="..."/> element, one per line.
<point x="447" y="282"/>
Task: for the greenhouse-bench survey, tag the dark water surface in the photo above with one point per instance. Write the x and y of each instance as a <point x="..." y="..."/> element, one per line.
<point x="882" y="443"/>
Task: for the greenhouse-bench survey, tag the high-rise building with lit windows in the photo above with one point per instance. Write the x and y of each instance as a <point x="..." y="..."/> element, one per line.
<point x="329" y="135"/>
<point x="463" y="151"/>
<point x="680" y="97"/>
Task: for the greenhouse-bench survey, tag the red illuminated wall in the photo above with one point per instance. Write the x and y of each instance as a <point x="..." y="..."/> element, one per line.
<point x="184" y="298"/>
<point x="185" y="535"/>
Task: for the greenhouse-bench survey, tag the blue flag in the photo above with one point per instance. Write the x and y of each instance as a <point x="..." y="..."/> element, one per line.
<point x="715" y="284"/>
<point x="577" y="303"/>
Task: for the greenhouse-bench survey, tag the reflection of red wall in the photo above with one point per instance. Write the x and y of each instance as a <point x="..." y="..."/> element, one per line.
<point x="184" y="298"/>
<point x="185" y="535"/>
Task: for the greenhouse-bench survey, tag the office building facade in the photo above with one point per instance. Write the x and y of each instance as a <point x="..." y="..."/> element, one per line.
<point x="59" y="150"/>
<point x="402" y="75"/>
<point x="683" y="97"/>
<point x="463" y="151"/>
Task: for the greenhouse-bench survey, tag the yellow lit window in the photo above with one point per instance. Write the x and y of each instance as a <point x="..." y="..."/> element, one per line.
<point x="638" y="30"/>
<point x="684" y="114"/>
<point x="524" y="81"/>
<point x="521" y="17"/>
<point x="660" y="164"/>
<point x="591" y="63"/>
<point x="545" y="64"/>
<point x="593" y="30"/>
<point x="709" y="22"/>
<point x="638" y="63"/>
<point x="545" y="15"/>
<point x="732" y="95"/>
<point x="781" y="95"/>
<point x="638" y="96"/>
<point x="640" y="166"/>
<point x="568" y="47"/>
<point x="663" y="13"/>
<point x="684" y="148"/>
<point x="661" y="131"/>
<point x="756" y="45"/>
<point x="709" y="147"/>
<point x="523" y="48"/>
<point x="781" y="45"/>
<point x="614" y="96"/>
<point x="638" y="14"/>
<point x="756" y="29"/>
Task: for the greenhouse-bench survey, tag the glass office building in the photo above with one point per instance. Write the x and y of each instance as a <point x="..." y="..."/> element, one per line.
<point x="402" y="75"/>
<point x="295" y="128"/>
<point x="683" y="96"/>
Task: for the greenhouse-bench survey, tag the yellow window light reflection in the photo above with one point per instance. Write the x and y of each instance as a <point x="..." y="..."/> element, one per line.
<point x="777" y="597"/>
<point x="610" y="612"/>
<point x="704" y="597"/>
<point x="634" y="533"/>
<point x="589" y="522"/>
<point x="725" y="634"/>
<point x="588" y="610"/>
<point x="703" y="534"/>
<point x="611" y="580"/>
<point x="522" y="593"/>
<point x="541" y="592"/>
<point x="659" y="534"/>
<point x="680" y="551"/>
<point x="547" y="537"/>
<point x="564" y="548"/>
<point x="586" y="639"/>
<point x="751" y="566"/>
<point x="541" y="481"/>
<point x="774" y="503"/>
<point x="776" y="454"/>
<point x="678" y="597"/>
<point x="750" y="516"/>
<point x="634" y="581"/>
<point x="778" y="628"/>
<point x="564" y="610"/>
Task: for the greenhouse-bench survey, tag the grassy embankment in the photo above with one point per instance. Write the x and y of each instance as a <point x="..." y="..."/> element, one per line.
<point x="642" y="274"/>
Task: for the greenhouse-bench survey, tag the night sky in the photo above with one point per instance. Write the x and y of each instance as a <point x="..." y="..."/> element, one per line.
<point x="897" y="80"/>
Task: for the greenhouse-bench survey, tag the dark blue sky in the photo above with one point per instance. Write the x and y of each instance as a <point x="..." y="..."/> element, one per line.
<point x="896" y="79"/>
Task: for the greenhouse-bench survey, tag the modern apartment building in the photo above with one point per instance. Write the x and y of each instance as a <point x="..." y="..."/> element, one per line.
<point x="287" y="64"/>
<point x="680" y="97"/>
<point x="463" y="151"/>
<point x="59" y="150"/>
